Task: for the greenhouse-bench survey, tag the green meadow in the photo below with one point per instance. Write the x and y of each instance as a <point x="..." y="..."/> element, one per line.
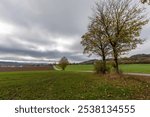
<point x="135" y="68"/>
<point x="127" y="68"/>
<point x="71" y="85"/>
<point x="80" y="67"/>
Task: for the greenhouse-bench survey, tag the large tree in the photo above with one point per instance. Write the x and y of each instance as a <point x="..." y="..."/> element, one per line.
<point x="120" y="22"/>
<point x="96" y="43"/>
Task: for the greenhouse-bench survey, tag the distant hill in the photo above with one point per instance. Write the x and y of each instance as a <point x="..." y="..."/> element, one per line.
<point x="3" y="64"/>
<point x="19" y="64"/>
<point x="138" y="58"/>
<point x="89" y="61"/>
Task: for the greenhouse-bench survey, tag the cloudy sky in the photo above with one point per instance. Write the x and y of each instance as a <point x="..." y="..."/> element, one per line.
<point x="42" y="30"/>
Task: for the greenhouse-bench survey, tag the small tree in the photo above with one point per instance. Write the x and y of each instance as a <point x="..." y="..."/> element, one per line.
<point x="63" y="63"/>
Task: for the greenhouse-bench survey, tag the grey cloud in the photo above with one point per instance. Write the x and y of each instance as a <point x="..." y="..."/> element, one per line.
<point x="41" y="23"/>
<point x="50" y="55"/>
<point x="65" y="17"/>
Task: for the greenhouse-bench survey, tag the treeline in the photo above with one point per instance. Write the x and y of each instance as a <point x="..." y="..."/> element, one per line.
<point x="134" y="61"/>
<point x="125" y="60"/>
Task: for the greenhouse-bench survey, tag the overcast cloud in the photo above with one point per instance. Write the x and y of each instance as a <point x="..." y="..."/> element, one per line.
<point x="48" y="29"/>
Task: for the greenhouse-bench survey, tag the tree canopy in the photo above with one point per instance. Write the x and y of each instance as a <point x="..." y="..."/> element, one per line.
<point x="95" y="42"/>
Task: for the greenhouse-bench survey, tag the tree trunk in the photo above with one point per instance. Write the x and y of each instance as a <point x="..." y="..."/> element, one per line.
<point x="116" y="61"/>
<point x="63" y="68"/>
<point x="104" y="63"/>
<point x="116" y="64"/>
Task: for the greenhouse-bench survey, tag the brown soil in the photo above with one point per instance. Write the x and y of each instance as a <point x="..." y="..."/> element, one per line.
<point x="25" y="68"/>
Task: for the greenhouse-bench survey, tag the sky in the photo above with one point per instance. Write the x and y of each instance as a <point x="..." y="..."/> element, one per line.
<point x="46" y="30"/>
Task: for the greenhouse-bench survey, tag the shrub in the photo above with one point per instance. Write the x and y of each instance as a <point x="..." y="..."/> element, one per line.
<point x="100" y="68"/>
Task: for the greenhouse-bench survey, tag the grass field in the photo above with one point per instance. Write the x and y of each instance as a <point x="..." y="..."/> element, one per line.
<point x="79" y="68"/>
<point x="136" y="68"/>
<point x="127" y="68"/>
<point x="71" y="85"/>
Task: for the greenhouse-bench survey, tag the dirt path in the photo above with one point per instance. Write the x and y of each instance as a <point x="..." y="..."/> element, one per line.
<point x="138" y="74"/>
<point x="134" y="74"/>
<point x="55" y="68"/>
